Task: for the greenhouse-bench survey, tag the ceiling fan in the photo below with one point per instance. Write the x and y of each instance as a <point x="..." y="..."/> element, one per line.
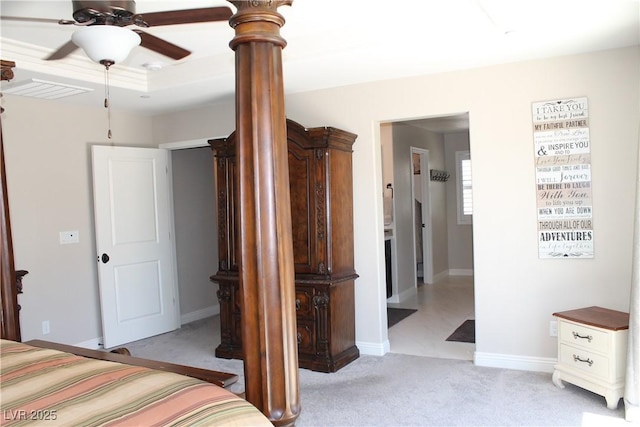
<point x="105" y="40"/>
<point x="122" y="13"/>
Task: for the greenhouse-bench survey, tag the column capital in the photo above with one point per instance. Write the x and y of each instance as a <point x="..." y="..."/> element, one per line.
<point x="257" y="21"/>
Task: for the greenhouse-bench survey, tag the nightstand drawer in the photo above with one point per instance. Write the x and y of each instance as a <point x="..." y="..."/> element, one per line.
<point x="583" y="360"/>
<point x="584" y="336"/>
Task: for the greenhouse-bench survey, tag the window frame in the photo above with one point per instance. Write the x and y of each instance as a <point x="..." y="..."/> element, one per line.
<point x="463" y="219"/>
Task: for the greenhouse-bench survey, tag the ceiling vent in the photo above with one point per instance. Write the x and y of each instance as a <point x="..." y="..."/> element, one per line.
<point x="43" y="89"/>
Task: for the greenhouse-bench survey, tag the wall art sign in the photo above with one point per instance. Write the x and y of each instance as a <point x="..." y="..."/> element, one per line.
<point x="563" y="178"/>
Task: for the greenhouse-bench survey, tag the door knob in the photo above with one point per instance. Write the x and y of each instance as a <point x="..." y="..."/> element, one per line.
<point x="105" y="258"/>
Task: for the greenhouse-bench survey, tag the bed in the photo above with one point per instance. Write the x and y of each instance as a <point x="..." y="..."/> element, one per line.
<point x="264" y="217"/>
<point x="40" y="385"/>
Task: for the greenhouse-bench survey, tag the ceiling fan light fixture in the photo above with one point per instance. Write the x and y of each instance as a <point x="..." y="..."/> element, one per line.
<point x="106" y="43"/>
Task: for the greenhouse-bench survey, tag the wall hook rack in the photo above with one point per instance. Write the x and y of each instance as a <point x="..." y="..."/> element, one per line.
<point x="438" y="175"/>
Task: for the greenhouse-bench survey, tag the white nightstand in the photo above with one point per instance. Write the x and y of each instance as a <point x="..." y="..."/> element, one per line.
<point x="592" y="351"/>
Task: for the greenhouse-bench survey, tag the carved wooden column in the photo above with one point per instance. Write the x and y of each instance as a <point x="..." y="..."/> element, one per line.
<point x="266" y="269"/>
<point x="8" y="291"/>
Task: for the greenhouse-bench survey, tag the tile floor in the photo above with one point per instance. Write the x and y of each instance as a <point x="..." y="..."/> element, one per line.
<point x="442" y="307"/>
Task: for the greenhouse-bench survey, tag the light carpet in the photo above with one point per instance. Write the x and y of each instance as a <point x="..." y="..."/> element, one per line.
<point x="403" y="390"/>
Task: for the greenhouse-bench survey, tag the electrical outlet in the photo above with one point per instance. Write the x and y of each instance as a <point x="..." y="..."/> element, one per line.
<point x="553" y="328"/>
<point x="46" y="327"/>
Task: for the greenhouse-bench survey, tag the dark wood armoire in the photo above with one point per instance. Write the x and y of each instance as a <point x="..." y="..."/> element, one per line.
<point x="320" y="172"/>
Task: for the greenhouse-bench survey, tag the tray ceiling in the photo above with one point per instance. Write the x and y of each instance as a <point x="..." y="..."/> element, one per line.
<point x="331" y="43"/>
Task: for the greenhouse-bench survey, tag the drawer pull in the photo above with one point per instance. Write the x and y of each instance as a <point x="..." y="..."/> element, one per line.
<point x="584" y="337"/>
<point x="579" y="359"/>
<point x="298" y="305"/>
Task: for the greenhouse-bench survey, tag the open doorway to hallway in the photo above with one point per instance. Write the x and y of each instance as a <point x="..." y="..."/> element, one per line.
<point x="441" y="308"/>
<point x="423" y="229"/>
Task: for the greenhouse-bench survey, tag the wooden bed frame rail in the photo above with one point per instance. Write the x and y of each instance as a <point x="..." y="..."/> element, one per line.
<point x="222" y="379"/>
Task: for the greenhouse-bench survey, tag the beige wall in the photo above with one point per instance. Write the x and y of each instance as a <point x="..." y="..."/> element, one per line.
<point x="47" y="148"/>
<point x="515" y="291"/>
<point x="386" y="145"/>
<point x="460" y="237"/>
<point x="194" y="207"/>
<point x="404" y="137"/>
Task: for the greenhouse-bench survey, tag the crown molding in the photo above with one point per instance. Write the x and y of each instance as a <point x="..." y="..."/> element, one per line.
<point x="75" y="66"/>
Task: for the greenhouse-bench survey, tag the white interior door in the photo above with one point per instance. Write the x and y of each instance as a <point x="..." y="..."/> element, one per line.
<point x="136" y="263"/>
<point x="420" y="192"/>
<point x="427" y="235"/>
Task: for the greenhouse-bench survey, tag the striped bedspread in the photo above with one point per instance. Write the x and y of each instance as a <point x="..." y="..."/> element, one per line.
<point x="50" y="388"/>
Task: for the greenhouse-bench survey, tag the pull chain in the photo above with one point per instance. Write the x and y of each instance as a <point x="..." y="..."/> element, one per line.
<point x="107" y="96"/>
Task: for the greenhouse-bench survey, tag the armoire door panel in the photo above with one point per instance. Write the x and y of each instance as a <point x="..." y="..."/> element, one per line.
<point x="302" y="224"/>
<point x="225" y="169"/>
<point x="232" y="232"/>
<point x="340" y="257"/>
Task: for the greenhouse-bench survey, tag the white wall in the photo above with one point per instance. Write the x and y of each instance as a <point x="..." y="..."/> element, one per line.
<point x="516" y="292"/>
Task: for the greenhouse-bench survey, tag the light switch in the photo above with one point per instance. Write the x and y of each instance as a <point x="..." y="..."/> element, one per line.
<point x="67" y="237"/>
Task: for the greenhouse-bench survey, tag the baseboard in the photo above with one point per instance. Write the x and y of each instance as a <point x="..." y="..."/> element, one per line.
<point x="373" y="349"/>
<point x="96" y="343"/>
<point x="93" y="344"/>
<point x="440" y="276"/>
<point x="393" y="299"/>
<point x="408" y="294"/>
<point x="461" y="272"/>
<point x="199" y="314"/>
<point x="510" y="361"/>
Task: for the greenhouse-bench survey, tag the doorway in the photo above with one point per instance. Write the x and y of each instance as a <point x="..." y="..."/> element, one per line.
<point x="196" y="233"/>
<point x="444" y="298"/>
<point x="421" y="215"/>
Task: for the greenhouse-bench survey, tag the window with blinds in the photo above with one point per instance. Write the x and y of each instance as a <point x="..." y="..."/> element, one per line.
<point x="465" y="197"/>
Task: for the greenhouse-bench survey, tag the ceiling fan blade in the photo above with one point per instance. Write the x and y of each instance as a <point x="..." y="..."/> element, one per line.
<point x="187" y="16"/>
<point x="62" y="51"/>
<point x="161" y="46"/>
<point x="23" y="19"/>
